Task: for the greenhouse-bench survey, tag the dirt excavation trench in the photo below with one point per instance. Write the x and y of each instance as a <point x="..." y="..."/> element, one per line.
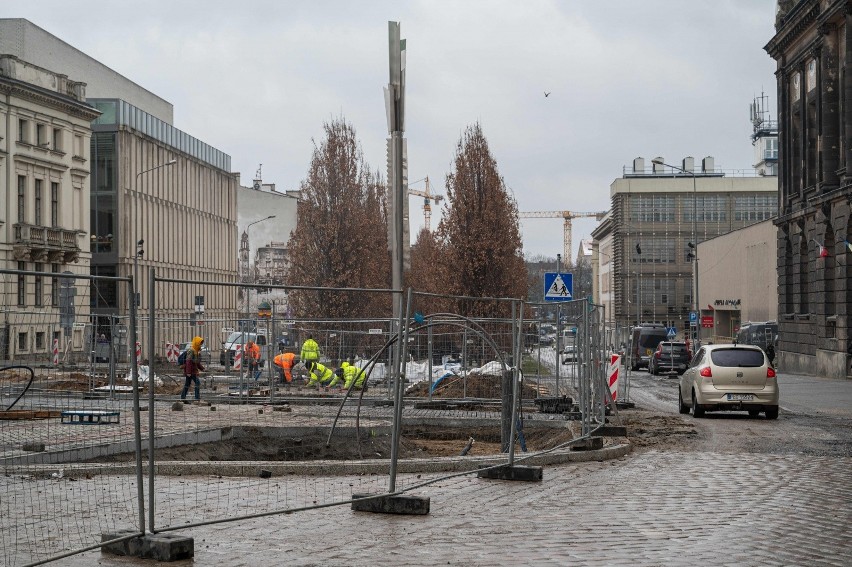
<point x="645" y="431"/>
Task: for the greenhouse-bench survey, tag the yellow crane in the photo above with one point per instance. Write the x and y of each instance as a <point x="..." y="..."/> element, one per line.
<point x="428" y="197"/>
<point x="568" y="216"/>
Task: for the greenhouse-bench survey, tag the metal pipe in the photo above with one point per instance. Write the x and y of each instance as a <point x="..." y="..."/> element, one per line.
<point x="137" y="423"/>
<point x="398" y="357"/>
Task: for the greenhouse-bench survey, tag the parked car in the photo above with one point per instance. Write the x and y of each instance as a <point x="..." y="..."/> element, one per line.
<point x="206" y="356"/>
<point x="569" y="354"/>
<point x="670" y="356"/>
<point x="729" y="377"/>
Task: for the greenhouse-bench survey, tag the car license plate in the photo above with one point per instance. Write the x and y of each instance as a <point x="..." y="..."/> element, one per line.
<point x="741" y="397"/>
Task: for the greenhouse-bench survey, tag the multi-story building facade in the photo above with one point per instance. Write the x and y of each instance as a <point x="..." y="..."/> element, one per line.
<point x="44" y="215"/>
<point x="656" y="214"/>
<point x="160" y="198"/>
<point x="813" y="50"/>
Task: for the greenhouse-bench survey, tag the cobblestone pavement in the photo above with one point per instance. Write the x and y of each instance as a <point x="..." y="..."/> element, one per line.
<point x="647" y="509"/>
<point x="778" y="498"/>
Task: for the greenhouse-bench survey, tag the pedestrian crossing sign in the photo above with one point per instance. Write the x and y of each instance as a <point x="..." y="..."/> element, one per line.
<point x="558" y="286"/>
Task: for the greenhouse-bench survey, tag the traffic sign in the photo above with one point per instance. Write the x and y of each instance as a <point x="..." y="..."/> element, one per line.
<point x="558" y="286"/>
<point x="671" y="332"/>
<point x="693" y="316"/>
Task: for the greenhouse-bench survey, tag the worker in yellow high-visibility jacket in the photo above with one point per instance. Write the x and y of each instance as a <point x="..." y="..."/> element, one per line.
<point x="353" y="374"/>
<point x="310" y="351"/>
<point x="320" y="374"/>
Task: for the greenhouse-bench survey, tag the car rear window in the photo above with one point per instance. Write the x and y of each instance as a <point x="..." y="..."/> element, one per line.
<point x="652" y="339"/>
<point x="677" y="349"/>
<point x="737" y="357"/>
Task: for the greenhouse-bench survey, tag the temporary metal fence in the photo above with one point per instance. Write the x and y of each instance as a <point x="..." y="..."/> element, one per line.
<point x="438" y="383"/>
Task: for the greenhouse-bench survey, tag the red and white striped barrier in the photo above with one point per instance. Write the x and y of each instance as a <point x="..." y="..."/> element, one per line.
<point x="55" y="351"/>
<point x="172" y="352"/>
<point x="612" y="375"/>
<point x="138" y="353"/>
<point x="238" y="358"/>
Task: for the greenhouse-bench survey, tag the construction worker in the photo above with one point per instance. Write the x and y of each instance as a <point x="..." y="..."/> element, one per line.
<point x="353" y="374"/>
<point x="252" y="355"/>
<point x="284" y="362"/>
<point x="320" y="374"/>
<point x="339" y="375"/>
<point x="310" y="351"/>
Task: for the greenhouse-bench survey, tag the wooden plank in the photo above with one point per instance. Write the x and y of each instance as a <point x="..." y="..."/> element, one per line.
<point x="29" y="414"/>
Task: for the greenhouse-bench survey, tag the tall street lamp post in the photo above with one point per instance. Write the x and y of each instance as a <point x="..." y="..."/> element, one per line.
<point x="693" y="252"/>
<point x="249" y="279"/>
<point x="139" y="252"/>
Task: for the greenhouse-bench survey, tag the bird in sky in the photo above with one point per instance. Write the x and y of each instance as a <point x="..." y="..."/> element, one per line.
<point x="546" y="94"/>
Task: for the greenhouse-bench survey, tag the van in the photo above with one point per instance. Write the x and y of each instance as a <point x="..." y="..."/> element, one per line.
<point x="644" y="341"/>
<point x="239" y="338"/>
<point x="758" y="334"/>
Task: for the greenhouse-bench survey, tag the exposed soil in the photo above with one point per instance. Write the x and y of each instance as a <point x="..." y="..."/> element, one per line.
<point x="474" y="386"/>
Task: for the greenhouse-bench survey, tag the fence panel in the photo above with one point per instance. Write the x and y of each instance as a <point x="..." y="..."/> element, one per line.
<point x="66" y="400"/>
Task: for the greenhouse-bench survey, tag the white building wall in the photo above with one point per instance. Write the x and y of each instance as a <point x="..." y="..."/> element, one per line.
<point x="738" y="278"/>
<point x="256" y="204"/>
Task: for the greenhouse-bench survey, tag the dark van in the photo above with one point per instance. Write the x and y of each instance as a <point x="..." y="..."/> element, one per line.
<point x="758" y="334"/>
<point x="644" y="341"/>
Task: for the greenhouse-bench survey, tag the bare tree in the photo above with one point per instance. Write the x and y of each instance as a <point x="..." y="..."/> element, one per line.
<point x="478" y="236"/>
<point x="341" y="236"/>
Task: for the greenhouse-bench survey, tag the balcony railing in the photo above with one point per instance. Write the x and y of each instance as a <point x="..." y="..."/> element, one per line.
<point x="46" y="244"/>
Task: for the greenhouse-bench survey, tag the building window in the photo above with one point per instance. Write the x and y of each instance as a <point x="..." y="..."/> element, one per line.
<point x="22" y="342"/>
<point x="37" y="208"/>
<point x="22" y="285"/>
<point x="23" y="131"/>
<point x="39" y="286"/>
<point x="754" y="208"/>
<point x="796" y="87"/>
<point x="803" y="274"/>
<point x="57" y="140"/>
<point x="54" y="204"/>
<point x="708" y="208"/>
<point x="22" y="199"/>
<point x="39" y="340"/>
<point x="78" y="146"/>
<point x="41" y="135"/>
<point x="811" y="75"/>
<point x="54" y="286"/>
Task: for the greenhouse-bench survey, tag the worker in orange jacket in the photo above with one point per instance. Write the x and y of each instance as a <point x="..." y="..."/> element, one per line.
<point x="252" y="354"/>
<point x="284" y="362"/>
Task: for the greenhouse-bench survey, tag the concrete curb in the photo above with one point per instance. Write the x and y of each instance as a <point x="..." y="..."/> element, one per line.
<point x="332" y="468"/>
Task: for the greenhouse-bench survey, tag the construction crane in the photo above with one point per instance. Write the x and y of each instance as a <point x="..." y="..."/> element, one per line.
<point x="428" y="197"/>
<point x="568" y="216"/>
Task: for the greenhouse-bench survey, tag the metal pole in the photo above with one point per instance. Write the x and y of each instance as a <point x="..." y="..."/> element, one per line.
<point x="517" y="317"/>
<point x="558" y="321"/>
<point x="137" y="423"/>
<point x="397" y="421"/>
<point x="429" y="350"/>
<point x="151" y="385"/>
<point x="695" y="260"/>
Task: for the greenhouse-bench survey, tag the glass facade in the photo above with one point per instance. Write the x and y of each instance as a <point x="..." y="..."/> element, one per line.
<point x="104" y="199"/>
<point x="117" y="113"/>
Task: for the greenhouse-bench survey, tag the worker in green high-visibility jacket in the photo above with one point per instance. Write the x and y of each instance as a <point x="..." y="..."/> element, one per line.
<point x="321" y="375"/>
<point x="310" y="351"/>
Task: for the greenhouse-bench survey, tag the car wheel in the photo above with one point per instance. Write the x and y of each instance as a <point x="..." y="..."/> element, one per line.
<point x="682" y="407"/>
<point x="697" y="411"/>
<point x="753" y="413"/>
<point x="772" y="413"/>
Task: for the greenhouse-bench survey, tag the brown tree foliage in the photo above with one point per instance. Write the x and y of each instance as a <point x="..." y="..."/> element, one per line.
<point x="340" y="239"/>
<point x="478" y="236"/>
<point x="424" y="276"/>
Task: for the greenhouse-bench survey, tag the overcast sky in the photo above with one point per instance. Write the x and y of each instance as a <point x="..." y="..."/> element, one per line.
<point x="627" y="78"/>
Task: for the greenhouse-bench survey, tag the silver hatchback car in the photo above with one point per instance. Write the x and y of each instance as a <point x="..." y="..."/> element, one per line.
<point x="729" y="377"/>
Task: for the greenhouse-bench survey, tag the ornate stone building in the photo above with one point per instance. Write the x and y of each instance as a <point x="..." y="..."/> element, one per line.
<point x="813" y="49"/>
<point x="44" y="213"/>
